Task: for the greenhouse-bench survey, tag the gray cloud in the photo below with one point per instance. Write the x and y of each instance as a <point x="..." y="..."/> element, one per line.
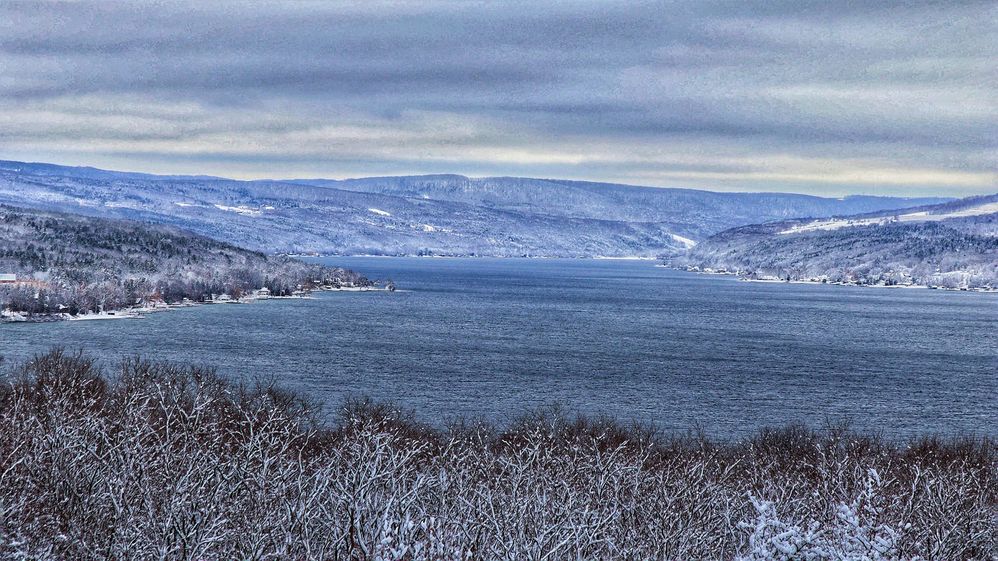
<point x="828" y="97"/>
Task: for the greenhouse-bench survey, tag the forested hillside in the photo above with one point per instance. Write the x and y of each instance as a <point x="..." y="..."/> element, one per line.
<point x="77" y="264"/>
<point x="954" y="245"/>
<point x="420" y="215"/>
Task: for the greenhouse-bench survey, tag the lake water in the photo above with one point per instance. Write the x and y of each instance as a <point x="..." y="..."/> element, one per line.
<point x="494" y="338"/>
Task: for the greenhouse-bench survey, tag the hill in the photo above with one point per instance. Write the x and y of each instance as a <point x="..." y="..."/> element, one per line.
<point x="440" y="215"/>
<point x="953" y="245"/>
<point x="79" y="264"/>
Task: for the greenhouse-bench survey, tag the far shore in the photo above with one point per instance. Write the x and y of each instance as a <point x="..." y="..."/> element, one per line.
<point x="776" y="280"/>
<point x="764" y="279"/>
<point x="408" y="256"/>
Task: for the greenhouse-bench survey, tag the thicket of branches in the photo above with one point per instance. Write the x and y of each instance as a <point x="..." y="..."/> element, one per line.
<point x="91" y="264"/>
<point x="168" y="462"/>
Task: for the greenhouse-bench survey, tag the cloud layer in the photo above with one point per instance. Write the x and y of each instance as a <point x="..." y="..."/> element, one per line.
<point x="828" y="97"/>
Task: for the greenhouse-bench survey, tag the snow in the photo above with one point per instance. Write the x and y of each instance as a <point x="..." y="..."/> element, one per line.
<point x="8" y="316"/>
<point x="685" y="241"/>
<point x="624" y="258"/>
<point x="479" y="213"/>
<point x="139" y="312"/>
<point x="429" y="228"/>
<point x="241" y="209"/>
<point x="104" y="316"/>
<point x="922" y="216"/>
<point x="855" y="534"/>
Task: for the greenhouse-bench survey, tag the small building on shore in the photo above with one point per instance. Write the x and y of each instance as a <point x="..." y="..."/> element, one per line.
<point x="8" y="278"/>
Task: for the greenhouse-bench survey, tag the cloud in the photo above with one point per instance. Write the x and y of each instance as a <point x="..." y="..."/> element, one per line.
<point x="828" y="97"/>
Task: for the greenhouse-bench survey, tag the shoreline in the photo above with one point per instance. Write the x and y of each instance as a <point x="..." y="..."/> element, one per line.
<point x="774" y="280"/>
<point x="412" y="256"/>
<point x="140" y="312"/>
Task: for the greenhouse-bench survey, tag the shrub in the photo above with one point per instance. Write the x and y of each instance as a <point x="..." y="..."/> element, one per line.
<point x="160" y="461"/>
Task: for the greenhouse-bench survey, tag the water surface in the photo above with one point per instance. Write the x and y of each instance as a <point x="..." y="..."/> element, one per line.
<point x="493" y="338"/>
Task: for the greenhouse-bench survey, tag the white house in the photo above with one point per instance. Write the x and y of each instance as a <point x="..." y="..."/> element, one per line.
<point x="8" y="277"/>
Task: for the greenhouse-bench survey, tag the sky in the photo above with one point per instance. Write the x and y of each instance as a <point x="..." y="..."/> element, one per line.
<point x="830" y="97"/>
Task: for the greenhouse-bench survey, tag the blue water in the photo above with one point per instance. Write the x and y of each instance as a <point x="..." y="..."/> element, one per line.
<point x="493" y="338"/>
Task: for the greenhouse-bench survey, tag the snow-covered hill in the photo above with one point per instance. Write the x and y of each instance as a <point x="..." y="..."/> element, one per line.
<point x="951" y="245"/>
<point x="443" y="215"/>
<point x="58" y="262"/>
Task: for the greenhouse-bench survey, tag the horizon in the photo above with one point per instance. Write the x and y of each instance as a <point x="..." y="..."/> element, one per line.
<point x="473" y="178"/>
<point x="827" y="99"/>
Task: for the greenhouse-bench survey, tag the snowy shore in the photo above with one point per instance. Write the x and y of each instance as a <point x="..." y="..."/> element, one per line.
<point x="140" y="312"/>
<point x="773" y="279"/>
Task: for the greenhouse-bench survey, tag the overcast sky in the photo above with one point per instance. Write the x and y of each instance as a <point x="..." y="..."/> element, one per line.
<point x="827" y="97"/>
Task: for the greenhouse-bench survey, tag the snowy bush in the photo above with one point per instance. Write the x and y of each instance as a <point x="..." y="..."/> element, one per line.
<point x="164" y="462"/>
<point x="855" y="534"/>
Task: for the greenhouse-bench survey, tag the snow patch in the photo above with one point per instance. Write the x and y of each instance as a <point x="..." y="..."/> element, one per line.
<point x="379" y="212"/>
<point x="119" y="204"/>
<point x="104" y="316"/>
<point x="241" y="209"/>
<point x="922" y="216"/>
<point x="685" y="241"/>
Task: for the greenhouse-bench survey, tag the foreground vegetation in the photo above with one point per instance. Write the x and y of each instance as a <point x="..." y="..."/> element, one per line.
<point x="79" y="264"/>
<point x="160" y="461"/>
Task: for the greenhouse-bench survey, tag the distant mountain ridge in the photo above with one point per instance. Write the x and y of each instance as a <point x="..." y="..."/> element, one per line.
<point x="414" y="215"/>
<point x="953" y="245"/>
<point x="610" y="201"/>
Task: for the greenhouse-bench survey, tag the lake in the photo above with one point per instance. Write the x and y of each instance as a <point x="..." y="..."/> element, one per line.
<point x="496" y="337"/>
